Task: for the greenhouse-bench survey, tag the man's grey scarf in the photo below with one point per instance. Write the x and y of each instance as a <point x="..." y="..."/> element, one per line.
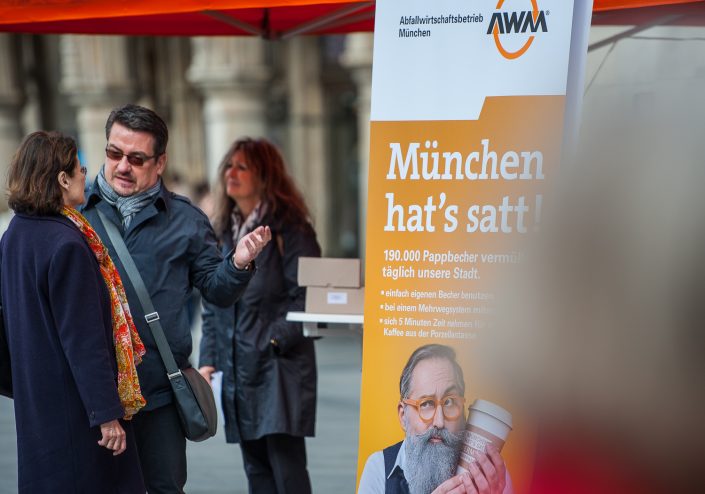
<point x="127" y="206"/>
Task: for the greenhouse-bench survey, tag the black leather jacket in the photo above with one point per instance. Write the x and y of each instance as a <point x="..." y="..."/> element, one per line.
<point x="266" y="389"/>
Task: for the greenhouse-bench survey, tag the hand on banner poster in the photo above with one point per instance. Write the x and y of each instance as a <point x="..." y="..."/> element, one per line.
<point x="486" y="476"/>
<point x="460" y="484"/>
<point x="489" y="473"/>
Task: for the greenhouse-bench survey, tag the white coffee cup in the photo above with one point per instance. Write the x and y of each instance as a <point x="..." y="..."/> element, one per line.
<point x="488" y="423"/>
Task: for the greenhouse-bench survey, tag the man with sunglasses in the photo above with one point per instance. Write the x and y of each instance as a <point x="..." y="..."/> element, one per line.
<point x="431" y="413"/>
<point x="174" y="249"/>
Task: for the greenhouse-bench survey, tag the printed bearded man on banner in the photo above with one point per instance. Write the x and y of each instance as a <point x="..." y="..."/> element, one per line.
<point x="431" y="412"/>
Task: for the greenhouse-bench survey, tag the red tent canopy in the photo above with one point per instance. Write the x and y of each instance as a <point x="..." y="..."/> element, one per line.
<point x="672" y="12"/>
<point x="267" y="18"/>
<point x="274" y="19"/>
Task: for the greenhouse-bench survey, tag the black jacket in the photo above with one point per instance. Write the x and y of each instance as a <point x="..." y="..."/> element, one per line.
<point x="266" y="389"/>
<point x="174" y="249"/>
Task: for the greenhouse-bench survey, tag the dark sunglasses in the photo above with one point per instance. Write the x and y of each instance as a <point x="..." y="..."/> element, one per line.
<point x="136" y="159"/>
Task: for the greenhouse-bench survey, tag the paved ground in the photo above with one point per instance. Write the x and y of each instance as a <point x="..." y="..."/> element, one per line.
<point x="216" y="467"/>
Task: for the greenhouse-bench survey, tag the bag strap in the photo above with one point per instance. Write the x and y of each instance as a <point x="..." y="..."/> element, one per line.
<point x="151" y="315"/>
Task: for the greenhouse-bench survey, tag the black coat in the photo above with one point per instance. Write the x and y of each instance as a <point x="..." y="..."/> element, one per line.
<point x="174" y="248"/>
<point x="266" y="389"/>
<point x="59" y="330"/>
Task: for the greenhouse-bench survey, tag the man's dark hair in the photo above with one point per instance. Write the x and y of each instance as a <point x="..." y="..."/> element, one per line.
<point x="427" y="352"/>
<point x="141" y="119"/>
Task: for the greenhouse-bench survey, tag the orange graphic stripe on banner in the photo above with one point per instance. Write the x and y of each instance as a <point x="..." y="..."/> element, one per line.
<point x="511" y="55"/>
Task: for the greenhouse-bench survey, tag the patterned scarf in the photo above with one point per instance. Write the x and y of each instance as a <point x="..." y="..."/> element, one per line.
<point x="241" y="227"/>
<point x="128" y="206"/>
<point x="128" y="345"/>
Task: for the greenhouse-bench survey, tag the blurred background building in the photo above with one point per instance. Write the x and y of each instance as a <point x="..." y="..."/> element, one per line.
<point x="308" y="94"/>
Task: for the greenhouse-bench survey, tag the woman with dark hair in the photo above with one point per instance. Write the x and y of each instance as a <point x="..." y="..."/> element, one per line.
<point x="269" y="367"/>
<point x="73" y="345"/>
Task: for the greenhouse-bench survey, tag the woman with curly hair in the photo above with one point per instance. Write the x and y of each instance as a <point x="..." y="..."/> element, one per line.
<point x="269" y="367"/>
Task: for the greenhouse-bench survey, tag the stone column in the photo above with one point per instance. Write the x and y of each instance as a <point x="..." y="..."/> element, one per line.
<point x="187" y="148"/>
<point x="358" y="58"/>
<point x="10" y="102"/>
<point x="308" y="156"/>
<point x="231" y="74"/>
<point x="96" y="76"/>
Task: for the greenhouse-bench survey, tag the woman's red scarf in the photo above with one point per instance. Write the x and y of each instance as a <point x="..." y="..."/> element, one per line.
<point x="128" y="345"/>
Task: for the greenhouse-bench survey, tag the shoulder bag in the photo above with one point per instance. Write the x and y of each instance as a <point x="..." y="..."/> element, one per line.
<point x="193" y="395"/>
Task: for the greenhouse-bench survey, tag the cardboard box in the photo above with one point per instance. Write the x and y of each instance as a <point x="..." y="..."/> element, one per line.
<point x="327" y="300"/>
<point x="329" y="272"/>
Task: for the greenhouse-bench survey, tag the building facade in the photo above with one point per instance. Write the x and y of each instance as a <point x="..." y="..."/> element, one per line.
<point x="310" y="95"/>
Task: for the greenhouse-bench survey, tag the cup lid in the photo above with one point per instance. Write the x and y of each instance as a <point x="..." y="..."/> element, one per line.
<point x="492" y="409"/>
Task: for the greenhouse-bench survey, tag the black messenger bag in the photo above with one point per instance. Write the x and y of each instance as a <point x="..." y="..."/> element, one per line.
<point x="193" y="395"/>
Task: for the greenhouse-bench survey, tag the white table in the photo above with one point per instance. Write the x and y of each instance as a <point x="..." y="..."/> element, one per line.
<point x="336" y="323"/>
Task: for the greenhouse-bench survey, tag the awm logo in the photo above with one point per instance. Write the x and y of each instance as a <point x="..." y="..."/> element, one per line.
<point x="505" y="24"/>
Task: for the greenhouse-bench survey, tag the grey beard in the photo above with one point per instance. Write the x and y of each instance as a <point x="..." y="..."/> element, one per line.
<point x="430" y="464"/>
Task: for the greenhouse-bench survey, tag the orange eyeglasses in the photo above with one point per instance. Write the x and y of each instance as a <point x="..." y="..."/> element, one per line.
<point x="452" y="406"/>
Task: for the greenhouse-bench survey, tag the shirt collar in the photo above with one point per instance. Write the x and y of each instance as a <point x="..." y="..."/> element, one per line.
<point x="400" y="462"/>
